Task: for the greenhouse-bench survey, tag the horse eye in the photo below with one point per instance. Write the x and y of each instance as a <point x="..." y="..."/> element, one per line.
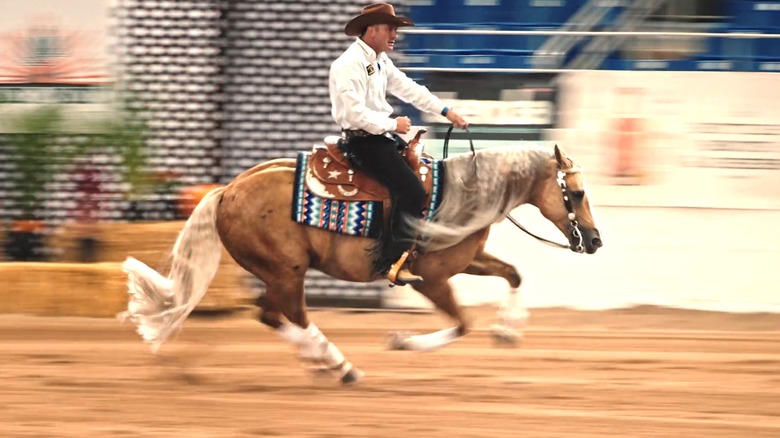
<point x="578" y="194"/>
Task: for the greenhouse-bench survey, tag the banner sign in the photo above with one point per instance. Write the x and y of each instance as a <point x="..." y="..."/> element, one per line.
<point x="55" y="52"/>
<point x="675" y="139"/>
<point x="501" y="112"/>
<point x="55" y="42"/>
<point x="499" y="107"/>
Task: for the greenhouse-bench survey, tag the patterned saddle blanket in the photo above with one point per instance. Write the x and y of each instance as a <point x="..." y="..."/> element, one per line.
<point x="357" y="217"/>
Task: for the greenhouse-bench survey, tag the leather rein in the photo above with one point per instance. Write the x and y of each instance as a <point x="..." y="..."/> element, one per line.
<point x="574" y="226"/>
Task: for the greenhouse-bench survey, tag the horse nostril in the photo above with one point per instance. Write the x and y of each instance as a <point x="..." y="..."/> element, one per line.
<point x="597" y="242"/>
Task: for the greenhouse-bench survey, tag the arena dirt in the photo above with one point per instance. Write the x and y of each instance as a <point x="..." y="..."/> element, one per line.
<point x="643" y="372"/>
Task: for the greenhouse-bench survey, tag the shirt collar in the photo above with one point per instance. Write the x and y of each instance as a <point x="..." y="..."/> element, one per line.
<point x="370" y="54"/>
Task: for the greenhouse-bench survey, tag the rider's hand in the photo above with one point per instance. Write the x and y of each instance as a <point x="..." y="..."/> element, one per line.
<point x="456" y="119"/>
<point x="403" y="124"/>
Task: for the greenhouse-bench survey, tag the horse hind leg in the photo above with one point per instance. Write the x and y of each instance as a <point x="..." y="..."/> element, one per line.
<point x="286" y="298"/>
<point x="511" y="317"/>
<point x="440" y="294"/>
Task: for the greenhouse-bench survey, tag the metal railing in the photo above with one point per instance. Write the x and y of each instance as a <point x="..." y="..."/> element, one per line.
<point x="550" y="32"/>
<point x="590" y="33"/>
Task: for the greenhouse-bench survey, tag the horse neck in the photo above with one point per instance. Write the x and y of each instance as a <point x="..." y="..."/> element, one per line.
<point x="479" y="192"/>
<point x="500" y="180"/>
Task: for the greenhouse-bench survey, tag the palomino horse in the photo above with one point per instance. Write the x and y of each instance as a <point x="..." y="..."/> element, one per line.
<point x="251" y="218"/>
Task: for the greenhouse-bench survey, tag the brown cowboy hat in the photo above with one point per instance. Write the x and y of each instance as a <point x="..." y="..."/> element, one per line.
<point x="376" y="13"/>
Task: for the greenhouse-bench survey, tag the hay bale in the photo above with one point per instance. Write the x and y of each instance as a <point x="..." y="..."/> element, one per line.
<point x="151" y="243"/>
<point x="63" y="289"/>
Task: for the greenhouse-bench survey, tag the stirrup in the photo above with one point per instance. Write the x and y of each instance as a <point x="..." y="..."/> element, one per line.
<point x="400" y="275"/>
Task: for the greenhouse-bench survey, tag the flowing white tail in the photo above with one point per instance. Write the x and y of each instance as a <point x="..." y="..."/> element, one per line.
<point x="159" y="305"/>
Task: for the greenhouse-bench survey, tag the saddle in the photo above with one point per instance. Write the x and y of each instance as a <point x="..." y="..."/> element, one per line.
<point x="331" y="175"/>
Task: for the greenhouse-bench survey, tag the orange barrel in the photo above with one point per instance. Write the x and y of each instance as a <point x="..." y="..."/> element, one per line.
<point x="190" y="197"/>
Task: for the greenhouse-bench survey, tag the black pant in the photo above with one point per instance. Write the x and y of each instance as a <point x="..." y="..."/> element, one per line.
<point x="379" y="156"/>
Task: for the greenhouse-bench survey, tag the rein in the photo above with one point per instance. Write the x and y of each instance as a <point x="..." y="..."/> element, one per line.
<point x="445" y="150"/>
<point x="575" y="231"/>
<point x="447" y="142"/>
<point x="541" y="239"/>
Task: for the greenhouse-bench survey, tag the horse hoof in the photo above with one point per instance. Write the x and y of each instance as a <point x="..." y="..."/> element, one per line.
<point x="505" y="337"/>
<point x="352" y="377"/>
<point x="397" y="341"/>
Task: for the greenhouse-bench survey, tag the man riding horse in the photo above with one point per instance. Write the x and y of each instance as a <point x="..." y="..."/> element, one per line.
<point x="251" y="217"/>
<point x="359" y="79"/>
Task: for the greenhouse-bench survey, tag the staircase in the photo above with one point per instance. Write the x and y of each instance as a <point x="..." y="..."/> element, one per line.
<point x="600" y="47"/>
<point x="552" y="53"/>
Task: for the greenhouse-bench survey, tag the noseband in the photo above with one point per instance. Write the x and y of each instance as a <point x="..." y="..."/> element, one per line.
<point x="574" y="228"/>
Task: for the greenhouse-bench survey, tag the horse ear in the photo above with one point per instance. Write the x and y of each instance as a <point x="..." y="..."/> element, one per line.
<point x="559" y="156"/>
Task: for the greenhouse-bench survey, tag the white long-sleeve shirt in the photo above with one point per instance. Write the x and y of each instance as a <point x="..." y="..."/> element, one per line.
<point x="359" y="83"/>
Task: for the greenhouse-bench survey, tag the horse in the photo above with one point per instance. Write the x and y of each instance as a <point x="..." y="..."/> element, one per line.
<point x="251" y="218"/>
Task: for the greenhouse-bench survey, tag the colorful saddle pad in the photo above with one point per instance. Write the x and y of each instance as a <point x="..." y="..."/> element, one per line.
<point x="353" y="218"/>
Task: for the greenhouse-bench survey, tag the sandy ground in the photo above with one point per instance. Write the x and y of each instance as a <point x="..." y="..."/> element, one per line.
<point x="644" y="372"/>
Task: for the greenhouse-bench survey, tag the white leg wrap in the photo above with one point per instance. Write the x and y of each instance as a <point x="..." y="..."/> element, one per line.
<point x="316" y="347"/>
<point x="292" y="333"/>
<point x="511" y="314"/>
<point x="333" y="357"/>
<point x="313" y="333"/>
<point x="314" y="344"/>
<point x="431" y="341"/>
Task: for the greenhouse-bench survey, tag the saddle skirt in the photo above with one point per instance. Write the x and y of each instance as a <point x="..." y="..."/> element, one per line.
<point x="349" y="201"/>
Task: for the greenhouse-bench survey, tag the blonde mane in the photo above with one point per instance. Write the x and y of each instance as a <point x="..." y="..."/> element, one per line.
<point x="479" y="191"/>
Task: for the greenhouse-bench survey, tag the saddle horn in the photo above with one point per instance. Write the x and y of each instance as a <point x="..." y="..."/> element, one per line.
<point x="417" y="136"/>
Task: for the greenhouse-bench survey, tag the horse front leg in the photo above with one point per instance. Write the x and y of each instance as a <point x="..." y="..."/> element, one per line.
<point x="440" y="294"/>
<point x="511" y="317"/>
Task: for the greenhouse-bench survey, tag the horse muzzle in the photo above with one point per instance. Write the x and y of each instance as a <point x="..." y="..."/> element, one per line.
<point x="587" y="240"/>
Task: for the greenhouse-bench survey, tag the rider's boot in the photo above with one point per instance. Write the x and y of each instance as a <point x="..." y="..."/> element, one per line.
<point x="400" y="274"/>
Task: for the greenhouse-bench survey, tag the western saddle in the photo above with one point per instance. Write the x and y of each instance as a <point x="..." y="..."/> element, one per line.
<point x="331" y="175"/>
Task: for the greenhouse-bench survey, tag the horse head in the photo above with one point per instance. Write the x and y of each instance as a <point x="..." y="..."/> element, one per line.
<point x="561" y="198"/>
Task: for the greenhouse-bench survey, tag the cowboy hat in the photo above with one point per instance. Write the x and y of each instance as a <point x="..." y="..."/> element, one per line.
<point x="375" y="14"/>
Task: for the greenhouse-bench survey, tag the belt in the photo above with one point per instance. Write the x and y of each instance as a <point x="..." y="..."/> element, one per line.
<point x="349" y="134"/>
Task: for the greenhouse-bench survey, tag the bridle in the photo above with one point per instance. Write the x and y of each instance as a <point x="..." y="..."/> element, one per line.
<point x="574" y="226"/>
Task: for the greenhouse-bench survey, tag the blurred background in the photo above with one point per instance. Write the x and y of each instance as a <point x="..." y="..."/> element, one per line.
<point x="117" y="116"/>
